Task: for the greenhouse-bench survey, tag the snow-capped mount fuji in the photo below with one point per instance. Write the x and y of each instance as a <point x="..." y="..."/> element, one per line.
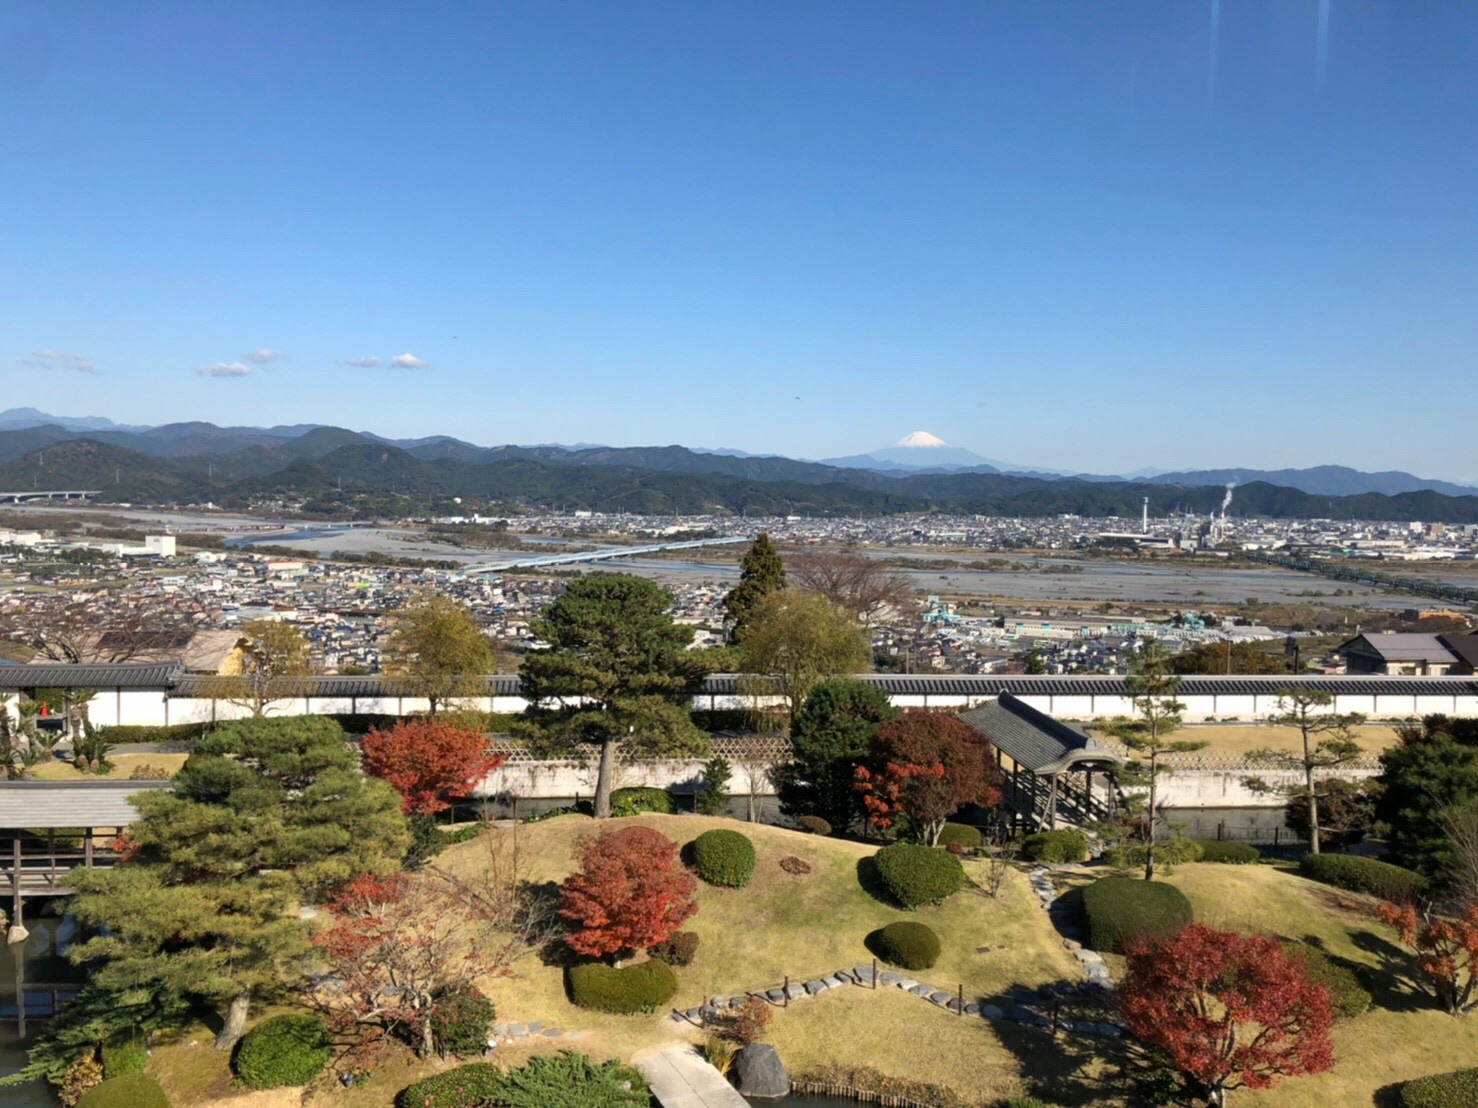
<point x="920" y="451"/>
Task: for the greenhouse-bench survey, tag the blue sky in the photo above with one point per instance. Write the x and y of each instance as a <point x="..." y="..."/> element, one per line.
<point x="1083" y="235"/>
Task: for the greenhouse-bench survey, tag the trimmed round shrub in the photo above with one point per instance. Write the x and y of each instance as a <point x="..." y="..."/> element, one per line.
<point x="961" y="834"/>
<point x="469" y="1086"/>
<point x="813" y="825"/>
<point x="1347" y="996"/>
<point x="131" y="1090"/>
<point x="1121" y="911"/>
<point x="633" y="802"/>
<point x="1443" y="1090"/>
<point x="678" y="949"/>
<point x="124" y="1053"/>
<point x="724" y="858"/>
<point x="640" y="988"/>
<point x="1363" y="875"/>
<point x="461" y="1019"/>
<point x="284" y="1050"/>
<point x="1055" y="846"/>
<point x="1232" y="854"/>
<point x="915" y="875"/>
<point x="911" y="945"/>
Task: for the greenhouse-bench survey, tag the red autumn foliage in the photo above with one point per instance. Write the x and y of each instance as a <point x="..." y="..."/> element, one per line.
<point x="1228" y="1010"/>
<point x="1446" y="950"/>
<point x="426" y="761"/>
<point x="630" y="892"/>
<point x="124" y="847"/>
<point x="926" y="766"/>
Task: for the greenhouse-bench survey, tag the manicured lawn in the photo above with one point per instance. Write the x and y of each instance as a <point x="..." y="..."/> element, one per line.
<point x="123" y="766"/>
<point x="1232" y="739"/>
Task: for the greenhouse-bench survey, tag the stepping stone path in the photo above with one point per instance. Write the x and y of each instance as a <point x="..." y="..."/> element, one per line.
<point x="514" y="1032"/>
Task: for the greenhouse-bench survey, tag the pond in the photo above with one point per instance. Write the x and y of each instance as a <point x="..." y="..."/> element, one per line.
<point x="35" y="978"/>
<point x="798" y="1101"/>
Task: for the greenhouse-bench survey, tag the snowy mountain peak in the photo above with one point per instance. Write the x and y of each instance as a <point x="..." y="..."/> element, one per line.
<point x="921" y="439"/>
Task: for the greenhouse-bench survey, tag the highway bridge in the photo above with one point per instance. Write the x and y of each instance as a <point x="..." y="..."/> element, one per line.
<point x="575" y="558"/>
<point x="34" y="495"/>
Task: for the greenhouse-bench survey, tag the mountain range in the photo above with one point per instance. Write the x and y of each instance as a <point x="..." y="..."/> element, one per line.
<point x="338" y="470"/>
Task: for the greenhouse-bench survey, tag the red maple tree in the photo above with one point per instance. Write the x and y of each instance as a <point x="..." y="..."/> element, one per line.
<point x="630" y="892"/>
<point x="926" y="766"/>
<point x="1230" y="1011"/>
<point x="1446" y="950"/>
<point x="426" y="761"/>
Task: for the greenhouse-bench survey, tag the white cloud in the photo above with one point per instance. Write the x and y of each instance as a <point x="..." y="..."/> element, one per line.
<point x="365" y="363"/>
<point x="226" y="369"/>
<point x="409" y="361"/>
<point x="59" y="359"/>
<point x="263" y="356"/>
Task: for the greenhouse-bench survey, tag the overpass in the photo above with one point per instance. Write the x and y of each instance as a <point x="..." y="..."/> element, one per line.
<point x="35" y="495"/>
<point x="542" y="560"/>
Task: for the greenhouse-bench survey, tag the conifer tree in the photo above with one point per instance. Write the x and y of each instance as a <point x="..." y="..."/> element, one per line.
<point x="761" y="574"/>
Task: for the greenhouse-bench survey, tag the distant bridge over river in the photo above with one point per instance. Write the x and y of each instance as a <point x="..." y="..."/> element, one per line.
<point x="540" y="561"/>
<point x="33" y="495"/>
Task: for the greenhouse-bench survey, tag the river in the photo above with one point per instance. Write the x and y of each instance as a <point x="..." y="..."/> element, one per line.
<point x="34" y="977"/>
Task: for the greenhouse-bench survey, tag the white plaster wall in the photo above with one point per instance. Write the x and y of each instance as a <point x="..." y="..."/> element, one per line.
<point x="1227" y="788"/>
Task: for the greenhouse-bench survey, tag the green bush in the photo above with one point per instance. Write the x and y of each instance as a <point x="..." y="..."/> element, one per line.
<point x="724" y="858"/>
<point x="132" y="1090"/>
<point x="633" y="802"/>
<point x="461" y="1019"/>
<point x="640" y="988"/>
<point x="284" y="1050"/>
<point x="1055" y="846"/>
<point x="1363" y="875"/>
<point x="1174" y="851"/>
<point x="1442" y="1090"/>
<point x="1347" y="996"/>
<point x="914" y="875"/>
<point x="1232" y="854"/>
<point x="813" y="825"/>
<point x="678" y="949"/>
<point x="469" y="1086"/>
<point x="156" y="733"/>
<point x="124" y="1053"/>
<point x="911" y="945"/>
<point x="1120" y="911"/>
<point x="961" y="834"/>
<point x="572" y="1081"/>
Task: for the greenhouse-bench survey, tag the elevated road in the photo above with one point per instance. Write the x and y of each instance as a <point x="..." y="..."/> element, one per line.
<point x="576" y="558"/>
<point x="34" y="495"/>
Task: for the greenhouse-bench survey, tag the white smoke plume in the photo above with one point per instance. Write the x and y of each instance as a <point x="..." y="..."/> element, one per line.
<point x="1227" y="500"/>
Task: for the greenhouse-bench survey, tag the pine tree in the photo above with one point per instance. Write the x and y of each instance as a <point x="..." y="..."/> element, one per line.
<point x="829" y="738"/>
<point x="264" y="816"/>
<point x="760" y="574"/>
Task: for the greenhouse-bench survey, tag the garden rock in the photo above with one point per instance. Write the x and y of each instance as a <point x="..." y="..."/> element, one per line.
<point x="758" y="1072"/>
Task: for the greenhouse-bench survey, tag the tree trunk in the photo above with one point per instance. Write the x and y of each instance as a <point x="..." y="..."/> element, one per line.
<point x="1313" y="799"/>
<point x="235" y="1025"/>
<point x="603" y="778"/>
<point x="1149" y="846"/>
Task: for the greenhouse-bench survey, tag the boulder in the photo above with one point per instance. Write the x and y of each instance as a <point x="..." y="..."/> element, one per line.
<point x="758" y="1072"/>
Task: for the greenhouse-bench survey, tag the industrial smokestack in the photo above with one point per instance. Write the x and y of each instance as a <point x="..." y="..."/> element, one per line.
<point x="1145" y="526"/>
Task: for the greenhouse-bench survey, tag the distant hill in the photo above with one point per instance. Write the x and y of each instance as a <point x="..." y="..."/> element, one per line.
<point x="1318" y="480"/>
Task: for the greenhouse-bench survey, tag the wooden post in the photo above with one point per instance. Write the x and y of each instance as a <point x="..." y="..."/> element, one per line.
<point x="874" y="975"/>
<point x="961" y="1012"/>
<point x="87" y="847"/>
<point x="1052" y="804"/>
<point x="51" y="853"/>
<point x="785" y="1003"/>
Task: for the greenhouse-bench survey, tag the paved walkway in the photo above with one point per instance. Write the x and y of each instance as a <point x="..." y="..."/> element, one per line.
<point x="681" y="1078"/>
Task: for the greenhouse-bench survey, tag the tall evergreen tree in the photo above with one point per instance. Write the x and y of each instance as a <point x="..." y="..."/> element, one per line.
<point x="614" y="677"/>
<point x="264" y="815"/>
<point x="1433" y="766"/>
<point x="829" y="738"/>
<point x="760" y="574"/>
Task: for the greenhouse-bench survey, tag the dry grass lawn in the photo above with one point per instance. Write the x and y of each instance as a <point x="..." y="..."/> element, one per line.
<point x="123" y="766"/>
<point x="1234" y="739"/>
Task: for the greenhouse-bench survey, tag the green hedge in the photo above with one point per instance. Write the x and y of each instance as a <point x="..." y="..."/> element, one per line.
<point x="124" y="1053"/>
<point x="724" y="858"/>
<point x="915" y="875"/>
<point x="1444" y="1090"/>
<point x="132" y="1090"/>
<point x="469" y="1086"/>
<point x="1363" y="875"/>
<point x="1055" y="846"/>
<point x="284" y="1050"/>
<point x="1232" y="854"/>
<point x="640" y="988"/>
<point x="1119" y="911"/>
<point x="1348" y="998"/>
<point x="813" y="825"/>
<point x="913" y="946"/>
<point x="154" y="733"/>
<point x="633" y="802"/>
<point x="961" y="834"/>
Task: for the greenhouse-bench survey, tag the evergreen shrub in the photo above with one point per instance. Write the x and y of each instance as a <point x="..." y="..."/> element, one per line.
<point x="1347" y="996"/>
<point x="915" y="875"/>
<point x="724" y="858"/>
<point x="961" y="834"/>
<point x="471" y="1086"/>
<point x="1121" y="911"/>
<point x="283" y="1050"/>
<point x="813" y="825"/>
<point x="1443" y="1090"/>
<point x="461" y="1019"/>
<point x="678" y="949"/>
<point x="131" y="1090"/>
<point x="633" y="802"/>
<point x="639" y="988"/>
<point x="1232" y="854"/>
<point x="912" y="946"/>
<point x="1363" y="875"/>
<point x="124" y="1053"/>
<point x="1055" y="846"/>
